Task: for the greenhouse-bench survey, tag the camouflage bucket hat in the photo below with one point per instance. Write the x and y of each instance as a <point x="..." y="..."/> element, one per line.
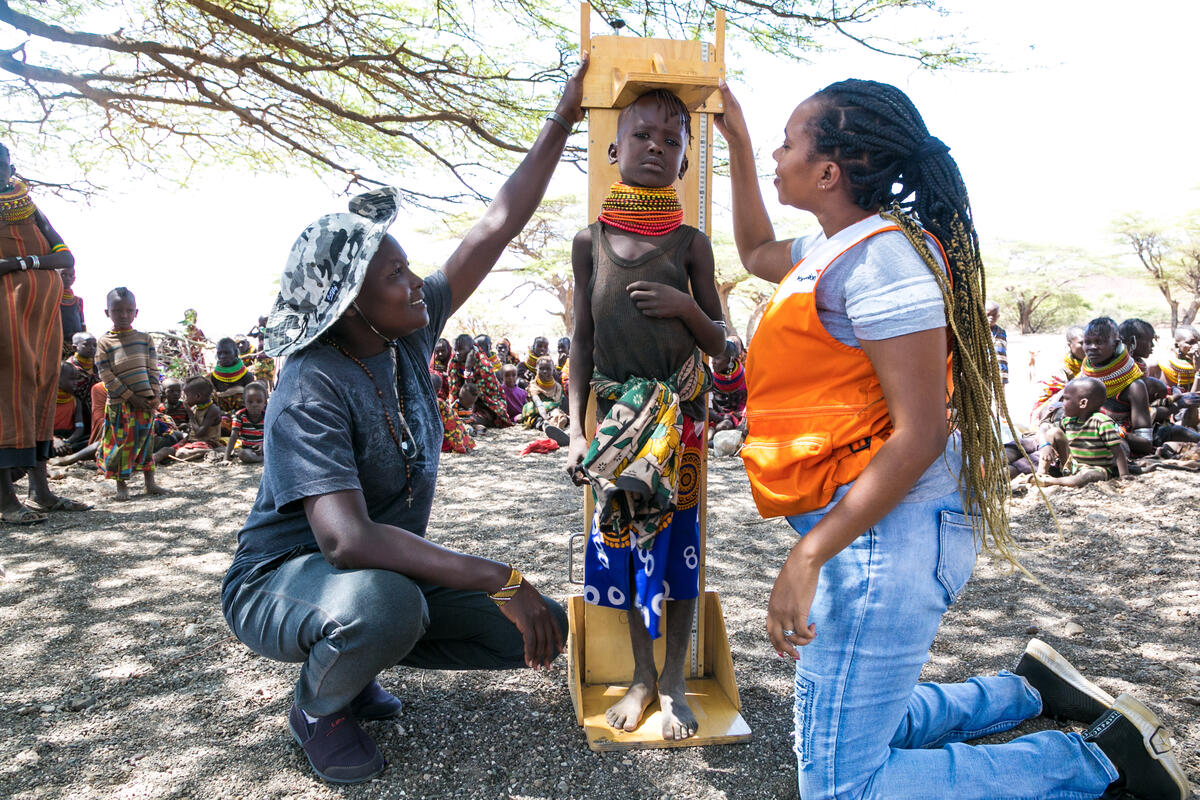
<point x="325" y="270"/>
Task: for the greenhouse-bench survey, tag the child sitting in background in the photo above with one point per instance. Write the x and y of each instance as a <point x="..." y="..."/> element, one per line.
<point x="465" y="408"/>
<point x="84" y="361"/>
<point x="246" y="430"/>
<point x="544" y="411"/>
<point x="528" y="368"/>
<point x="1128" y="403"/>
<point x="1050" y="390"/>
<point x="128" y="366"/>
<point x="456" y="437"/>
<point x="204" y="421"/>
<point x="229" y="380"/>
<point x="729" y="390"/>
<point x="1138" y="336"/>
<point x="1179" y="367"/>
<point x="470" y="365"/>
<point x="1084" y="444"/>
<point x="70" y="431"/>
<point x="515" y="397"/>
<point x="172" y="404"/>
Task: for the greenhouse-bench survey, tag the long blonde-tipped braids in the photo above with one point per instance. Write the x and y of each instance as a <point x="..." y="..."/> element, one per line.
<point x="877" y="137"/>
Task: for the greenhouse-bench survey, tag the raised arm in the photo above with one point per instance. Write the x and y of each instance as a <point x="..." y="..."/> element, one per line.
<point x="349" y="539"/>
<point x="761" y="254"/>
<point x="516" y="201"/>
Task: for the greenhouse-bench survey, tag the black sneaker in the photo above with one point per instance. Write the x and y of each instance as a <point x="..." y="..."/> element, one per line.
<point x="1138" y="745"/>
<point x="375" y="702"/>
<point x="1066" y="694"/>
<point x="336" y="746"/>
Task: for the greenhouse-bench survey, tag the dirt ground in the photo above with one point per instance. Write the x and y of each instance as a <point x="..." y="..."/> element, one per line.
<point x="120" y="679"/>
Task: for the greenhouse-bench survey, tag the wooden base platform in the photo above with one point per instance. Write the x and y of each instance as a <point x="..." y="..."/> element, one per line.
<point x="720" y="722"/>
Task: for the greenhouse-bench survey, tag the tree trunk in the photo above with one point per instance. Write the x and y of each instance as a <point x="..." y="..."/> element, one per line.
<point x="723" y="292"/>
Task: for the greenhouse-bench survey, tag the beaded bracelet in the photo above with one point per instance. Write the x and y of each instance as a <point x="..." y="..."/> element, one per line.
<point x="509" y="590"/>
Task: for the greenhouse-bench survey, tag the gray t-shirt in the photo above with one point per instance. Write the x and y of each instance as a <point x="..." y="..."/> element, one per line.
<point x="326" y="432"/>
<point x="880" y="289"/>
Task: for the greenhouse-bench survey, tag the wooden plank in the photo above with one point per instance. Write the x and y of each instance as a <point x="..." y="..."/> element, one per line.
<point x="720" y="658"/>
<point x="609" y="652"/>
<point x="575" y="653"/>
<point x="720" y="722"/>
<point x="585" y="26"/>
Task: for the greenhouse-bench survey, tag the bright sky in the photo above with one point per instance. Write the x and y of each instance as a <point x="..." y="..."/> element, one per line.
<point x="1092" y="117"/>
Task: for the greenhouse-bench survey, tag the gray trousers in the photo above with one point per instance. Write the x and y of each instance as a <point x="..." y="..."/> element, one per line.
<point x="346" y="626"/>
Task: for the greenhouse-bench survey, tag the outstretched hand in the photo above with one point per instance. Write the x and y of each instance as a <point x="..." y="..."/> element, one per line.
<point x="732" y="122"/>
<point x="570" y="106"/>
<point x="543" y="640"/>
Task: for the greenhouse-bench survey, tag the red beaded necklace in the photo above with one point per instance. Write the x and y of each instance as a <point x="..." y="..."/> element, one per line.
<point x="407" y="446"/>
<point x="642" y="209"/>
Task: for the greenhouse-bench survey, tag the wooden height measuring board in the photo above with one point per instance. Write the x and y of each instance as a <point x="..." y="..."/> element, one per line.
<point x="599" y="658"/>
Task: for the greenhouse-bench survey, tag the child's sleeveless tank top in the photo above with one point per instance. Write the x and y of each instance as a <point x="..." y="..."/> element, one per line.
<point x="626" y="342"/>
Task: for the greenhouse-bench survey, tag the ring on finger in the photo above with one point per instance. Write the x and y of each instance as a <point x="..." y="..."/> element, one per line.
<point x="788" y="632"/>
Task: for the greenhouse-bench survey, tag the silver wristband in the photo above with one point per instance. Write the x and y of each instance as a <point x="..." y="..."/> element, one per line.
<point x="554" y="116"/>
<point x="36" y="263"/>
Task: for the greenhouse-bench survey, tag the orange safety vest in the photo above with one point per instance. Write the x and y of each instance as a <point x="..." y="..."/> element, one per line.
<point x="806" y="438"/>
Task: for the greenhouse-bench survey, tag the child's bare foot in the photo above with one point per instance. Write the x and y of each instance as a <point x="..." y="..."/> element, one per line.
<point x="678" y="721"/>
<point x="151" y="486"/>
<point x="122" y="491"/>
<point x="626" y="713"/>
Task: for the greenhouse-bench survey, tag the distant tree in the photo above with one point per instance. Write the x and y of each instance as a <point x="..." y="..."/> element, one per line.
<point x="1038" y="284"/>
<point x="1170" y="254"/>
<point x="442" y="93"/>
<point x="732" y="277"/>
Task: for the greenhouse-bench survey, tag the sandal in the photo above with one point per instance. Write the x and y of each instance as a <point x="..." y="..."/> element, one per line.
<point x="23" y="516"/>
<point x="59" y="504"/>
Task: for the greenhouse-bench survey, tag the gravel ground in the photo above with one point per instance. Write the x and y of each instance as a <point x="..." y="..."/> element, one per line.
<point x="120" y="679"/>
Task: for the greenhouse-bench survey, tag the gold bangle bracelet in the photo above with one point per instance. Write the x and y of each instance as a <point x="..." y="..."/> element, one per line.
<point x="509" y="589"/>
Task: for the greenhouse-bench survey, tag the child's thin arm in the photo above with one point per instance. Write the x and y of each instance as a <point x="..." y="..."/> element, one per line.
<point x="581" y="348"/>
<point x="234" y="433"/>
<point x="152" y="368"/>
<point x="1122" y="461"/>
<point x="516" y="201"/>
<point x="702" y="273"/>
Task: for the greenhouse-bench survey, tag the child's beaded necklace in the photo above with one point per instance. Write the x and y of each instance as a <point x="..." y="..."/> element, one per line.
<point x="642" y="209"/>
<point x="402" y="444"/>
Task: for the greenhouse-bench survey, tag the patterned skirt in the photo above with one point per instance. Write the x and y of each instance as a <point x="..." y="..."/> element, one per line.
<point x="30" y="350"/>
<point x="127" y="443"/>
<point x="619" y="574"/>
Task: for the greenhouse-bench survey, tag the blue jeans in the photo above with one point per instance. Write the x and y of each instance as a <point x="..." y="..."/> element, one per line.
<point x="866" y="729"/>
<point x="347" y="625"/>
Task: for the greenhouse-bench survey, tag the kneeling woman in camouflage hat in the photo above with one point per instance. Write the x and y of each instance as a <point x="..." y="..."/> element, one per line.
<point x="332" y="568"/>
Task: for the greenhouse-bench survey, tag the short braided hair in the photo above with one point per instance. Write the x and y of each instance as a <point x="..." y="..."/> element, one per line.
<point x="876" y="136"/>
<point x="667" y="99"/>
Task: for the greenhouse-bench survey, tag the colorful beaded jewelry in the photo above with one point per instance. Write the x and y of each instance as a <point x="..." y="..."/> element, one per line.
<point x="408" y="446"/>
<point x="509" y="590"/>
<point x="641" y="209"/>
<point x="16" y="205"/>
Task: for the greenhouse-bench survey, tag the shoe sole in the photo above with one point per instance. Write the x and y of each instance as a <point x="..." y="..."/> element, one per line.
<point x="1155" y="737"/>
<point x="1053" y="661"/>
<point x="557" y="435"/>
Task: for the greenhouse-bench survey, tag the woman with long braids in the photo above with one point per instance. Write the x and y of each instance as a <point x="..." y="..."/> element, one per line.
<point x="871" y="381"/>
<point x="332" y="568"/>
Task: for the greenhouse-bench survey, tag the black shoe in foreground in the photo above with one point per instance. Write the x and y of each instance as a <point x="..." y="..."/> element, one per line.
<point x="375" y="702"/>
<point x="1066" y="694"/>
<point x="1138" y="745"/>
<point x="336" y="746"/>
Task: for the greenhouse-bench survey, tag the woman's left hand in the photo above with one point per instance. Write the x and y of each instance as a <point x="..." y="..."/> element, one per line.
<point x="791" y="600"/>
<point x="570" y="104"/>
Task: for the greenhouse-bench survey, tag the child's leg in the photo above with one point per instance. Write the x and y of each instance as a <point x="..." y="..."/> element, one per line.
<point x="250" y="455"/>
<point x="678" y="721"/>
<point x="627" y="712"/>
<point x="122" y="490"/>
<point x="1081" y="478"/>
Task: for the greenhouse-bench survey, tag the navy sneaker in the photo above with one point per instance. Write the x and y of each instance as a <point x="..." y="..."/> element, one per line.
<point x="1138" y="745"/>
<point x="375" y="702"/>
<point x="336" y="746"/>
<point x="1066" y="694"/>
<point x="557" y="435"/>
